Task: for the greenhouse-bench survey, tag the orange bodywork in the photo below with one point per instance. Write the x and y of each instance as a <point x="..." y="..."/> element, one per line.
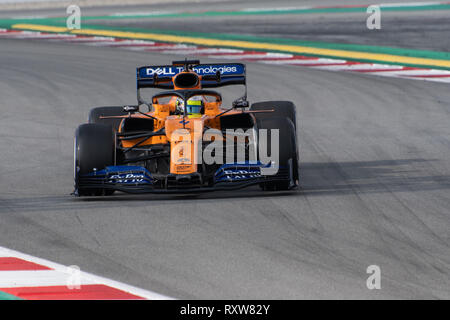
<point x="183" y="133"/>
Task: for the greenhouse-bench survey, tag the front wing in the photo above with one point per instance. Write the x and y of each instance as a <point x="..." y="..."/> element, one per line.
<point x="136" y="179"/>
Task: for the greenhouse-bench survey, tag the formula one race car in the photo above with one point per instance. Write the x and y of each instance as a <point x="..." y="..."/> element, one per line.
<point x="186" y="141"/>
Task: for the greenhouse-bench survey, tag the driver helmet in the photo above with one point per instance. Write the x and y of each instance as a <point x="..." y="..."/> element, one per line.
<point x="194" y="105"/>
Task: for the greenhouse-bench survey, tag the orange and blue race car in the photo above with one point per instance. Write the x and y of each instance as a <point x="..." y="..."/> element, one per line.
<point x="186" y="141"/>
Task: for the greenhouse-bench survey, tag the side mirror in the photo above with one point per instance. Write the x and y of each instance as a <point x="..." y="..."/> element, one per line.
<point x="131" y="109"/>
<point x="241" y="104"/>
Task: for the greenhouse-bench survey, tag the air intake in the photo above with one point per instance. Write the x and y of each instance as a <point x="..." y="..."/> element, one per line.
<point x="186" y="80"/>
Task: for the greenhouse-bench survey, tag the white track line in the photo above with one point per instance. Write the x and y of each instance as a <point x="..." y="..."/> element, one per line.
<point x="121" y="43"/>
<point x="38" y="278"/>
<point x="245" y="56"/>
<point x="199" y="51"/>
<point x="409" y="4"/>
<point x="360" y="66"/>
<point x="304" y="61"/>
<point x="21" y="35"/>
<point x="173" y="47"/>
<point x="60" y="272"/>
<point x="406" y="73"/>
<point x="82" y="39"/>
<point x="445" y="80"/>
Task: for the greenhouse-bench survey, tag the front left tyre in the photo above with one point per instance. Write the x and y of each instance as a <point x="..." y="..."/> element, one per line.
<point x="107" y="115"/>
<point x="287" y="150"/>
<point x="93" y="150"/>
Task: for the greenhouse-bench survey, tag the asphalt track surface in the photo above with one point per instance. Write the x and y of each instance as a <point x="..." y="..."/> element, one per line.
<point x="375" y="181"/>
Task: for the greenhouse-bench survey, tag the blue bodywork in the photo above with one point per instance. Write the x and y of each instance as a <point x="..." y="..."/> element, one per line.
<point x="137" y="179"/>
<point x="123" y="175"/>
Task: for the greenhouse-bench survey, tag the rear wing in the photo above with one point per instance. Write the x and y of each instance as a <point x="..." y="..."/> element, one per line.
<point x="217" y="75"/>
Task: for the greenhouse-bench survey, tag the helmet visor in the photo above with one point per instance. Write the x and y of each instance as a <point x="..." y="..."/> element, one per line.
<point x="194" y="106"/>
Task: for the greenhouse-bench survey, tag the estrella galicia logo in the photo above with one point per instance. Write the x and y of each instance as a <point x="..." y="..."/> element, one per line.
<point x="127" y="178"/>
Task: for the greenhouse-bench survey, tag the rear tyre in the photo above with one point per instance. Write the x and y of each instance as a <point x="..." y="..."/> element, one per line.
<point x="288" y="157"/>
<point x="93" y="149"/>
<point x="96" y="114"/>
